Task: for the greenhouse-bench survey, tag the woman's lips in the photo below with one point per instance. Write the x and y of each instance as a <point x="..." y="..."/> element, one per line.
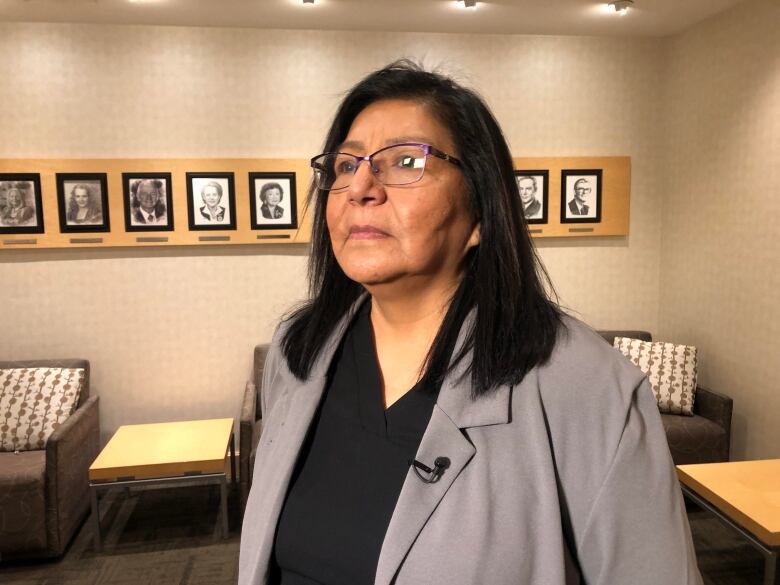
<point x="366" y="232"/>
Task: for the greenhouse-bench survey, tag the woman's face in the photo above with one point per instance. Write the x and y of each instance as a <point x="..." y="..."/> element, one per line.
<point x="273" y="197"/>
<point x="419" y="231"/>
<point x="81" y="197"/>
<point x="210" y="196"/>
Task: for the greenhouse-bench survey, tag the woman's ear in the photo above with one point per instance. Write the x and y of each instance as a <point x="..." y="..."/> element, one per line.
<point x="474" y="237"/>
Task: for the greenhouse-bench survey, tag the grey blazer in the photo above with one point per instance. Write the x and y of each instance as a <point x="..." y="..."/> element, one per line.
<point x="563" y="479"/>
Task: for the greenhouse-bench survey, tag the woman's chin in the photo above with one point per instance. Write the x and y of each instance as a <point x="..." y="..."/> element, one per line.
<point x="371" y="274"/>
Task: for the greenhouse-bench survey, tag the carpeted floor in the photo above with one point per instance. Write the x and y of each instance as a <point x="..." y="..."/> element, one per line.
<point x="173" y="537"/>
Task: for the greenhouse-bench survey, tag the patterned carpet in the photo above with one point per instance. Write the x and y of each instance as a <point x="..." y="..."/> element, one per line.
<point x="173" y="537"/>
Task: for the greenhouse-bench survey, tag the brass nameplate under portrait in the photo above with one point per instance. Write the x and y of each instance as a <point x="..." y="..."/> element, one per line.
<point x="20" y="242"/>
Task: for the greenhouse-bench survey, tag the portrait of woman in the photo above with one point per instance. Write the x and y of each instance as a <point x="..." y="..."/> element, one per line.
<point x="211" y="194"/>
<point x="16" y="211"/>
<point x="83" y="206"/>
<point x="273" y="200"/>
<point x="83" y="202"/>
<point x="431" y="415"/>
<point x="271" y="194"/>
<point x="211" y="201"/>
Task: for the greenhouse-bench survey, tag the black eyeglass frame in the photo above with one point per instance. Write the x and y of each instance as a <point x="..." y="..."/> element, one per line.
<point x="427" y="149"/>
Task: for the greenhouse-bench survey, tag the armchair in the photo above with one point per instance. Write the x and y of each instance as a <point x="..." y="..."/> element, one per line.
<point x="44" y="494"/>
<point x="704" y="437"/>
<point x="251" y="425"/>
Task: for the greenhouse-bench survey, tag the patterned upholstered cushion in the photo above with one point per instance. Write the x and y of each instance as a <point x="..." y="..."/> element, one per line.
<point x="34" y="402"/>
<point x="670" y="368"/>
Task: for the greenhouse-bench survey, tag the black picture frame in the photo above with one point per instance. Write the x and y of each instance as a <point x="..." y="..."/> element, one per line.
<point x="197" y="215"/>
<point x="540" y="217"/>
<point x="98" y="219"/>
<point x="162" y="213"/>
<point x="265" y="218"/>
<point x="571" y="212"/>
<point x="26" y="218"/>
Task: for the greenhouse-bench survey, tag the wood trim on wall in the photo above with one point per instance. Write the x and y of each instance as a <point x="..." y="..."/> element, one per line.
<point x="615" y="203"/>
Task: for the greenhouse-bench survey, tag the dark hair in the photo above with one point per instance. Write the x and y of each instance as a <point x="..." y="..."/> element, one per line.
<point x="516" y="323"/>
<point x="267" y="187"/>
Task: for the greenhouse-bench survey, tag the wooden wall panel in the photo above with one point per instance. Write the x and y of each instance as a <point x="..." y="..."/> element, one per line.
<point x="615" y="195"/>
<point x="181" y="236"/>
<point x="616" y="189"/>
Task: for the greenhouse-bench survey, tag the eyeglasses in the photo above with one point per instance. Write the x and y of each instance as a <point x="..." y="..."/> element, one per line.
<point x="582" y="189"/>
<point x="399" y="164"/>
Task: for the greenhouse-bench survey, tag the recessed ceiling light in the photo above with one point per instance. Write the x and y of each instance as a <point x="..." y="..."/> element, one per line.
<point x="621" y="6"/>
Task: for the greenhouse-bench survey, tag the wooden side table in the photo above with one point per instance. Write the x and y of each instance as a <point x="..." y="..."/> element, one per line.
<point x="189" y="453"/>
<point x="746" y="496"/>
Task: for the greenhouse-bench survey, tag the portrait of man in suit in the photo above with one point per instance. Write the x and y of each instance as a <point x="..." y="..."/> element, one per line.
<point x="148" y="202"/>
<point x="528" y="187"/>
<point x="578" y="205"/>
<point x="581" y="196"/>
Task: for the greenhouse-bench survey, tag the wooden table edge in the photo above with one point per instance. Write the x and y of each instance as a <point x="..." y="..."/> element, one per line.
<point x="762" y="533"/>
<point x="160" y="470"/>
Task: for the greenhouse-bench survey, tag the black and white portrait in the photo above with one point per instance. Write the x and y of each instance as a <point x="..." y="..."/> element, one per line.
<point x="211" y="201"/>
<point x="533" y="189"/>
<point x="273" y="200"/>
<point x="148" y="202"/>
<point x="21" y="211"/>
<point x="581" y="196"/>
<point x="83" y="202"/>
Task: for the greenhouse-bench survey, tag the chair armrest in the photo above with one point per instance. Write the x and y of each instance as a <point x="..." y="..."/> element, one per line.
<point x="248" y="416"/>
<point x="70" y="451"/>
<point x="246" y="426"/>
<point x="714" y="406"/>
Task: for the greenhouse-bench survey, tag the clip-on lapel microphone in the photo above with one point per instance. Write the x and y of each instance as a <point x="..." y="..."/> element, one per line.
<point x="439" y="465"/>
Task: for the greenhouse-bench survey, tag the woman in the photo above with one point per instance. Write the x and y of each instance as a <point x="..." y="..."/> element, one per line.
<point x="212" y="211"/>
<point x="271" y="195"/>
<point x="430" y="414"/>
<point x="15" y="212"/>
<point x="83" y="206"/>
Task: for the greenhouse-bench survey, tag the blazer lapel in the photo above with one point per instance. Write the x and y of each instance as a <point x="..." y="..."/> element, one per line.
<point x="418" y="500"/>
<point x="454" y="410"/>
<point x="286" y="432"/>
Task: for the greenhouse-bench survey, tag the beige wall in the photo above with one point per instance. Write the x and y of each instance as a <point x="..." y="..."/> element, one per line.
<point x="170" y="332"/>
<point x="720" y="261"/>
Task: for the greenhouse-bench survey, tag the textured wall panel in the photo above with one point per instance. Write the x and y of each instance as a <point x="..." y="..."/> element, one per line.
<point x="720" y="262"/>
<point x="170" y="333"/>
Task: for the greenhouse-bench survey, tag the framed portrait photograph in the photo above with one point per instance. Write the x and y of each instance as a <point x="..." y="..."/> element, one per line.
<point x="534" y="194"/>
<point x="581" y="196"/>
<point x="148" y="202"/>
<point x="211" y="201"/>
<point x="21" y="210"/>
<point x="82" y="199"/>
<point x="273" y="201"/>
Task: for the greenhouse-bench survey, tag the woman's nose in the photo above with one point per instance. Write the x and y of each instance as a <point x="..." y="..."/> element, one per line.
<point x="365" y="188"/>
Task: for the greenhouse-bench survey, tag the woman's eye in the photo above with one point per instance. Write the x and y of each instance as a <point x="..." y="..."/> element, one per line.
<point x="346" y="166"/>
<point x="408" y="162"/>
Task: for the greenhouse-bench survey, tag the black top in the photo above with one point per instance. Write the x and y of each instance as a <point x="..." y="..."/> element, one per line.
<point x="349" y="472"/>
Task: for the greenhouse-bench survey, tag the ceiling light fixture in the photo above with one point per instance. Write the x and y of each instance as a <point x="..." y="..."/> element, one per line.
<point x="308" y="1"/>
<point x="621" y="6"/>
<point x="470" y="3"/>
